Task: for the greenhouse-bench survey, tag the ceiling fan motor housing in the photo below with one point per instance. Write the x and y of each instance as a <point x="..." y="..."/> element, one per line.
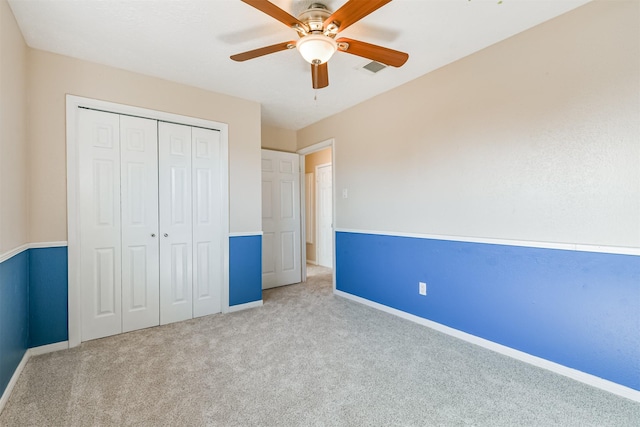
<point x="314" y="17"/>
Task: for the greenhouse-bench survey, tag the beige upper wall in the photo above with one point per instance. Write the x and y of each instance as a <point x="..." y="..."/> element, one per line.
<point x="274" y="138"/>
<point x="535" y="138"/>
<point x="53" y="76"/>
<point x="13" y="136"/>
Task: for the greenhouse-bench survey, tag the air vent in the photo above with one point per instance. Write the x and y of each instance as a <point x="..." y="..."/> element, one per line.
<point x="374" y="67"/>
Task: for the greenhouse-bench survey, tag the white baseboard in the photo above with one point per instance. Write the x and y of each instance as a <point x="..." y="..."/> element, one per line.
<point x="49" y="348"/>
<point x="14" y="379"/>
<point x="63" y="345"/>
<point x="246" y="306"/>
<point x="574" y="374"/>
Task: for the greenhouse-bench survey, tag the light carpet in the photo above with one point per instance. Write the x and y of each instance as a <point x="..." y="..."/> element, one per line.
<point x="306" y="358"/>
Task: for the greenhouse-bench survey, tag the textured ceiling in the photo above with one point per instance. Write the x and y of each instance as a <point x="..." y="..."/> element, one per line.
<point x="190" y="41"/>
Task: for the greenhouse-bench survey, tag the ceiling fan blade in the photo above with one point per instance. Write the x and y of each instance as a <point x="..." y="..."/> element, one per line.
<point x="377" y="53"/>
<point x="319" y="75"/>
<point x="275" y="12"/>
<point x="353" y="11"/>
<point x="262" y="51"/>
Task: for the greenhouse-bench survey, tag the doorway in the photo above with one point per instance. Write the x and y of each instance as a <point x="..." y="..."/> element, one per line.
<point x="318" y="203"/>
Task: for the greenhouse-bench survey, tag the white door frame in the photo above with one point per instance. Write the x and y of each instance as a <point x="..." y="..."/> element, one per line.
<point x="73" y="103"/>
<point x="328" y="143"/>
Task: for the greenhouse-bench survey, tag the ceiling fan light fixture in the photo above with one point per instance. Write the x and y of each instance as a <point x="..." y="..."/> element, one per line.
<point x="316" y="48"/>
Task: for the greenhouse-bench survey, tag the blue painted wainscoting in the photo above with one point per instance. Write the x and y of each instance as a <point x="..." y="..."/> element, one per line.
<point x="48" y="296"/>
<point x="578" y="309"/>
<point x="14" y="314"/>
<point x="34" y="296"/>
<point x="33" y="305"/>
<point x="245" y="269"/>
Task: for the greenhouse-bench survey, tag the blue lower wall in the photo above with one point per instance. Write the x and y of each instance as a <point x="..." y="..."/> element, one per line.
<point x="14" y="315"/>
<point x="245" y="269"/>
<point x="34" y="296"/>
<point x="48" y="296"/>
<point x="33" y="305"/>
<point x="578" y="309"/>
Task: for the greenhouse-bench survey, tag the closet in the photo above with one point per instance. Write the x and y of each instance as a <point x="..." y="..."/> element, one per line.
<point x="149" y="214"/>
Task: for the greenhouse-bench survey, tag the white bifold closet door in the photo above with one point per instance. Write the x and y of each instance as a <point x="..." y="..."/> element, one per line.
<point x="100" y="240"/>
<point x="151" y="242"/>
<point x="119" y="222"/>
<point x="208" y="239"/>
<point x="176" y="254"/>
<point x="139" y="222"/>
<point x="190" y="250"/>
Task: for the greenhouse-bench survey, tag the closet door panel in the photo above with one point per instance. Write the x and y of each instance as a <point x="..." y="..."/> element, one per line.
<point x="100" y="244"/>
<point x="207" y="214"/>
<point x="140" y="241"/>
<point x="175" y="200"/>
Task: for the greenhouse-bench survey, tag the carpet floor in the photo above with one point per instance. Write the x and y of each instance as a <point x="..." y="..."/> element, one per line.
<point x="306" y="358"/>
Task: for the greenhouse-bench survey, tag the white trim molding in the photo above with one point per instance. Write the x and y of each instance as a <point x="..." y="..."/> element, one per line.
<point x="44" y="245"/>
<point x="248" y="305"/>
<point x="317" y="147"/>
<point x="574" y="374"/>
<point x="63" y="345"/>
<point x="13" y="252"/>
<point x="38" y="245"/>
<point x="620" y="250"/>
<point x="245" y="233"/>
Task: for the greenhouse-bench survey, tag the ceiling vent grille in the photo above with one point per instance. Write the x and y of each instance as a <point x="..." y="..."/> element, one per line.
<point x="374" y="67"/>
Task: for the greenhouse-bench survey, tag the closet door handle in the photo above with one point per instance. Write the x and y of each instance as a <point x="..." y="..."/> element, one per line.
<point x="153" y="234"/>
<point x="166" y="235"/>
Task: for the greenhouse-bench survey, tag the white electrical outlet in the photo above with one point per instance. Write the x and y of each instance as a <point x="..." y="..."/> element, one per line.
<point x="422" y="288"/>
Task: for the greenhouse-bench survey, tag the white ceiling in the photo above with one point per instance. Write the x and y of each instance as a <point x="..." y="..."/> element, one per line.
<point x="190" y="41"/>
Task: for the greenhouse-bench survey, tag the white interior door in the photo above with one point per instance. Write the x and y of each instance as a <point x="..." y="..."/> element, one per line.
<point x="324" y="215"/>
<point x="99" y="207"/>
<point x="139" y="196"/>
<point x="176" y="245"/>
<point x="208" y="272"/>
<point x="280" y="219"/>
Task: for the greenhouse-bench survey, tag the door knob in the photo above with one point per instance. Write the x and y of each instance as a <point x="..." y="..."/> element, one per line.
<point x="153" y="234"/>
<point x="166" y="235"/>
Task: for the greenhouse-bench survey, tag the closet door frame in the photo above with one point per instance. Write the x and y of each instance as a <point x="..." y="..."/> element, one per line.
<point x="73" y="104"/>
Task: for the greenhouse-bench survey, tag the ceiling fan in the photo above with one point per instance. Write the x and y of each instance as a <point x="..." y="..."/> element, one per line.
<point x="317" y="28"/>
